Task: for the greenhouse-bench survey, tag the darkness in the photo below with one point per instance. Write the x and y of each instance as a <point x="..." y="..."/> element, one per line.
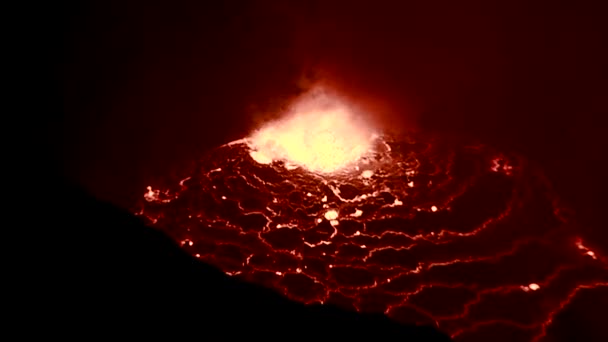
<point x="141" y="89"/>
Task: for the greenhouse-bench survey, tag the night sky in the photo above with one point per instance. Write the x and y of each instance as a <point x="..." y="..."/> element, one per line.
<point x="146" y="86"/>
<point x="142" y="88"/>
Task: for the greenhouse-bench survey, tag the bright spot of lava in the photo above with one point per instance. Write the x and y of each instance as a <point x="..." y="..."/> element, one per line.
<point x="320" y="132"/>
<point x="331" y="215"/>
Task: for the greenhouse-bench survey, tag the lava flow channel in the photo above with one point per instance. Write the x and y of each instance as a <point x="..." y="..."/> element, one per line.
<point x="458" y="236"/>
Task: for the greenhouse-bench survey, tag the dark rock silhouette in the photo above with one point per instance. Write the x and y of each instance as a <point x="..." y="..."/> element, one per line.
<point x="116" y="273"/>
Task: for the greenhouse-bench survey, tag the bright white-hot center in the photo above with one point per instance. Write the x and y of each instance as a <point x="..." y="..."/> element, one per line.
<point x="319" y="132"/>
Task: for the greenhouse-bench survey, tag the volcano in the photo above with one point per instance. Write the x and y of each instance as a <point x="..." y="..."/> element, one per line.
<point x="428" y="231"/>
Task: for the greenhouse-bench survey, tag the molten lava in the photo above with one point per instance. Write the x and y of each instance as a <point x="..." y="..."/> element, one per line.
<point x="319" y="133"/>
<point x="458" y="236"/>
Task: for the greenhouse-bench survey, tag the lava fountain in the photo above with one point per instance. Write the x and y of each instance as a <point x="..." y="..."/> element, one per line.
<point x="319" y="132"/>
<point x="323" y="208"/>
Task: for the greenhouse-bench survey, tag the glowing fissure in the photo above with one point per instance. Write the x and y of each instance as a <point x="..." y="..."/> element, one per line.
<point x="319" y="133"/>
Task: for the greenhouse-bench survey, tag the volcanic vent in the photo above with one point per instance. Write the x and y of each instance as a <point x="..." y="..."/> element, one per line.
<point x="429" y="232"/>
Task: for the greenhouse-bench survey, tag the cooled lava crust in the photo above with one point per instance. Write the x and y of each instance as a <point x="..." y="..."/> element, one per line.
<point x="458" y="236"/>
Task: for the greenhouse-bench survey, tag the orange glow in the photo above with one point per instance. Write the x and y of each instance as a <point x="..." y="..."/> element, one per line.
<point x="319" y="132"/>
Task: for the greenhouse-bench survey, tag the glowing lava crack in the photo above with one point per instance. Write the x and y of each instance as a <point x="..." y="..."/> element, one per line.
<point x="428" y="232"/>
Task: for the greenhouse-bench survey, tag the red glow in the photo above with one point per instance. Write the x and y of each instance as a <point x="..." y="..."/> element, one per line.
<point x="460" y="237"/>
